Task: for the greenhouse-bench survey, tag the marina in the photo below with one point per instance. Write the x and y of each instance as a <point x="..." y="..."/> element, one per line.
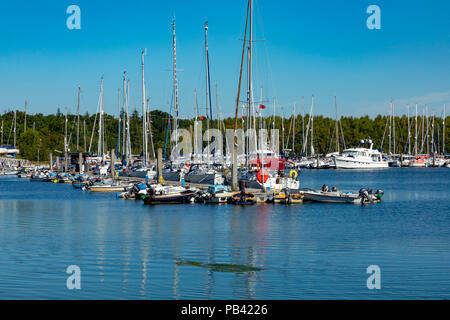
<point x="159" y="156"/>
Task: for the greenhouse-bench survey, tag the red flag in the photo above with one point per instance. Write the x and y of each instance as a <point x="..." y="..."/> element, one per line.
<point x="202" y="117"/>
<point x="262" y="106"/>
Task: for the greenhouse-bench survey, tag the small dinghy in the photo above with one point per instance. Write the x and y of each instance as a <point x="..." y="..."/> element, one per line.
<point x="243" y="198"/>
<point x="108" y="187"/>
<point x="287" y="197"/>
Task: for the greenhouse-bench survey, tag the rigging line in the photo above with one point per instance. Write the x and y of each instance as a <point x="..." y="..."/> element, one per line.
<point x="168" y="125"/>
<point x="266" y="49"/>
<point x="95" y="121"/>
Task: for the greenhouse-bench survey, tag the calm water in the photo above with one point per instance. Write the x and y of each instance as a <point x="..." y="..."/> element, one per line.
<point x="313" y="251"/>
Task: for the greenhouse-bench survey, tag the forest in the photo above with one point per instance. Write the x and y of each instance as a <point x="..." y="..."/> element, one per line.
<point x="41" y="135"/>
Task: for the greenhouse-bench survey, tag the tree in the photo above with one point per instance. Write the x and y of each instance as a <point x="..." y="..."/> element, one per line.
<point x="28" y="144"/>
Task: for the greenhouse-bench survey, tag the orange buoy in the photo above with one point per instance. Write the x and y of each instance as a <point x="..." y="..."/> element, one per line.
<point x="262" y="175"/>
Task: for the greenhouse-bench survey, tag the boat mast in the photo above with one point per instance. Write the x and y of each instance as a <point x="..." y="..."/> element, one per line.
<point x="208" y="94"/>
<point x="175" y="83"/>
<point x="409" y="134"/>
<point x="427" y="133"/>
<point x="25" y="120"/>
<point x="235" y="140"/>
<point x="120" y="122"/>
<point x="423" y="126"/>
<point x="149" y="125"/>
<point x="293" y="130"/>
<point x="249" y="81"/>
<point x="443" y="131"/>
<point x="65" y="144"/>
<point x="144" y="117"/>
<point x="282" y="127"/>
<point x="415" y="137"/>
<point x="124" y="115"/>
<point x="393" y="123"/>
<point x="390" y="127"/>
<point x="78" y="119"/>
<point x="336" y="129"/>
<point x="303" y="125"/>
<point x="84" y="123"/>
<point x="100" y="123"/>
<point x="128" y="135"/>
<point x="196" y="104"/>
<point x="312" y="127"/>
<point x="15" y="124"/>
<point x="433" y="144"/>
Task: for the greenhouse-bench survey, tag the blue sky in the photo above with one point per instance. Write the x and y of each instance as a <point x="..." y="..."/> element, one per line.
<point x="311" y="47"/>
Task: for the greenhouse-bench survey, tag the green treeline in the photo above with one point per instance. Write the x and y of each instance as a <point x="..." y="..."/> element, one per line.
<point x="45" y="133"/>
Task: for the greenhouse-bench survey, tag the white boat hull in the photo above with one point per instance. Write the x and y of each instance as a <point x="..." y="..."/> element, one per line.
<point x="331" y="197"/>
<point x="350" y="163"/>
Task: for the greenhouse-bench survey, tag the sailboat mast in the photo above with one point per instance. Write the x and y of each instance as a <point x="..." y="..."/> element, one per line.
<point x="336" y="129"/>
<point x="120" y="122"/>
<point x="427" y="133"/>
<point x="128" y="135"/>
<point x="15" y="128"/>
<point x="409" y="134"/>
<point x="293" y="130"/>
<point x="144" y="120"/>
<point x="390" y="127"/>
<point x="25" y="120"/>
<point x="149" y="122"/>
<point x="443" y="132"/>
<point x="78" y="119"/>
<point x="235" y="140"/>
<point x="393" y="124"/>
<point x="208" y="94"/>
<point x="124" y="115"/>
<point x="84" y="124"/>
<point x="249" y="79"/>
<point x="415" y="137"/>
<point x="175" y="83"/>
<point x="100" y="123"/>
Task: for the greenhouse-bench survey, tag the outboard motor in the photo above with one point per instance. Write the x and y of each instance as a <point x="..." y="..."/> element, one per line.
<point x="363" y="194"/>
<point x="379" y="194"/>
